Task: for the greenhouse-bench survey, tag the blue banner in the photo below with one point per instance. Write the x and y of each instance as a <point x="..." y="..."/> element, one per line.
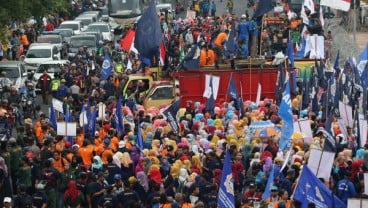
<point x="119" y="117"/>
<point x="262" y="8"/>
<point x="226" y="197"/>
<point x="286" y="114"/>
<point x="311" y="190"/>
<point x="139" y="136"/>
<point x="270" y="182"/>
<point x="53" y="117"/>
<point x="106" y="67"/>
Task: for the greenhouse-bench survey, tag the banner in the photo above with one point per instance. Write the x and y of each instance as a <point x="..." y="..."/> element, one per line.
<point x="320" y="163"/>
<point x="226" y="198"/>
<point x="343" y="5"/>
<point x="303" y="126"/>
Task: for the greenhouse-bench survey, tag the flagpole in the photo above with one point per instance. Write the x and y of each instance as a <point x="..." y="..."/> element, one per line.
<point x="250" y="78"/>
<point x="260" y="45"/>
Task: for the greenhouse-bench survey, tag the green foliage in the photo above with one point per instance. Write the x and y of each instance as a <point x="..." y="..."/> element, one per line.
<point x="23" y="9"/>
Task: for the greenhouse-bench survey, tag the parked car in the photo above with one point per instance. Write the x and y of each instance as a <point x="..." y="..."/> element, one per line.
<point x="102" y="27"/>
<point x="85" y="19"/>
<point x="113" y="24"/>
<point x="76" y="26"/>
<point x="51" y="68"/>
<point x="15" y="71"/>
<point x="56" y="39"/>
<point x="66" y="33"/>
<point x="38" y="53"/>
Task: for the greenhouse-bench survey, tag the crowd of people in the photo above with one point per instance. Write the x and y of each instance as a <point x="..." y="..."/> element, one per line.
<point x="106" y="167"/>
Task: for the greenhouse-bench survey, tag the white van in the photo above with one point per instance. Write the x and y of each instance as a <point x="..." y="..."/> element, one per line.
<point x="39" y="53"/>
<point x="77" y="26"/>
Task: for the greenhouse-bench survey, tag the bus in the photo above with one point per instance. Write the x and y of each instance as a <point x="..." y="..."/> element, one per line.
<point x="126" y="8"/>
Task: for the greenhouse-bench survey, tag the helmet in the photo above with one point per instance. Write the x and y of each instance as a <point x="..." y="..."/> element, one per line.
<point x="30" y="84"/>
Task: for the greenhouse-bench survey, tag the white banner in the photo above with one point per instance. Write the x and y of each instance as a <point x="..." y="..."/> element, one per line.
<point x="357" y="203"/>
<point x="58" y="105"/>
<point x="101" y="111"/>
<point x="363" y="132"/>
<point x="303" y="126"/>
<point x="320" y="163"/>
<point x="215" y="86"/>
<point x="346" y="113"/>
<point x="343" y="5"/>
<point x="259" y="91"/>
<point x="66" y="128"/>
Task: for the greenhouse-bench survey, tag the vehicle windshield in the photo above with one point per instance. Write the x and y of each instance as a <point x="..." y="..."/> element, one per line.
<point x="101" y="28"/>
<point x="39" y="53"/>
<point x="70" y="26"/>
<point x="10" y="72"/>
<point x="85" y="21"/>
<point x="65" y="33"/>
<point x="54" y="39"/>
<point x="124" y="8"/>
<point x="50" y="68"/>
<point x="76" y="42"/>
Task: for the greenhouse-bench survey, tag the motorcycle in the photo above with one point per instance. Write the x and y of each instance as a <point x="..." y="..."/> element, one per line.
<point x="28" y="108"/>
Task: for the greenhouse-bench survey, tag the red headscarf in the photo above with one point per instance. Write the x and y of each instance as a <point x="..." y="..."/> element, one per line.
<point x="72" y="191"/>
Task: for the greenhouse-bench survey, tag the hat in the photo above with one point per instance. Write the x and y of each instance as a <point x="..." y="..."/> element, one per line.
<point x="97" y="133"/>
<point x="274" y="188"/>
<point x="40" y="186"/>
<point x="252" y="185"/>
<point x="75" y="146"/>
<point x="29" y="154"/>
<point x="12" y="140"/>
<point x="73" y="64"/>
<point x="121" y="144"/>
<point x="63" y="80"/>
<point x="243" y="16"/>
<point x="7" y="200"/>
<point x="107" y="140"/>
<point x="117" y="176"/>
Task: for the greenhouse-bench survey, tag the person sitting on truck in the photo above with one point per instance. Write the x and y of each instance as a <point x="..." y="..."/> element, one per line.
<point x="207" y="56"/>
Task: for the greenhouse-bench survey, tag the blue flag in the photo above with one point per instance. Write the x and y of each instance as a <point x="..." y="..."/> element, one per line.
<point x="106" y="67"/>
<point x="336" y="64"/>
<point x="171" y="113"/>
<point x="232" y="91"/>
<point x="92" y="122"/>
<point x="191" y="60"/>
<point x="148" y="35"/>
<point x="119" y="117"/>
<point x="363" y="60"/>
<point x="210" y="104"/>
<point x="262" y="8"/>
<point x="139" y="137"/>
<point x="230" y="46"/>
<point x="290" y="52"/>
<point x="53" y="117"/>
<point x="287" y="117"/>
<point x="225" y="198"/>
<point x="364" y="77"/>
<point x="311" y="189"/>
<point x="67" y="120"/>
<point x="270" y="182"/>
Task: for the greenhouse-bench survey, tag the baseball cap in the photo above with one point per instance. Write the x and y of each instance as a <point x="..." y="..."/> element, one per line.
<point x="274" y="188"/>
<point x="7" y="200"/>
<point x="121" y="144"/>
<point x="252" y="185"/>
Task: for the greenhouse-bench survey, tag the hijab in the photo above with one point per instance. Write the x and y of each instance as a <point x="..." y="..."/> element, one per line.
<point x="98" y="164"/>
<point x="72" y="191"/>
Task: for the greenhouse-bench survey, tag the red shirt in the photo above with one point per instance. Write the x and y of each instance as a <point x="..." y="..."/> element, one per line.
<point x="49" y="27"/>
<point x="253" y="196"/>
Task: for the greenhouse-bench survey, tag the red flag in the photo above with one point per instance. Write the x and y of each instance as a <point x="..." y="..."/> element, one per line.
<point x="162" y="54"/>
<point x="127" y="42"/>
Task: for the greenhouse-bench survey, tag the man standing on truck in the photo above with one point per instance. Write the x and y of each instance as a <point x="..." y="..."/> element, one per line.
<point x="219" y="46"/>
<point x="243" y="36"/>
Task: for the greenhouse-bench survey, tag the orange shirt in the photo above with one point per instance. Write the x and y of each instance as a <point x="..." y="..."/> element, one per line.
<point x="60" y="146"/>
<point x="114" y="143"/>
<point x="105" y="154"/>
<point x="79" y="139"/>
<point x="220" y="39"/>
<point x="59" y="164"/>
<point x="87" y="154"/>
<point x="24" y="40"/>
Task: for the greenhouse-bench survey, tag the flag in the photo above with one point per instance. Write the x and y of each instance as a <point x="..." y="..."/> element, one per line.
<point x="343" y="5"/>
<point x="191" y="60"/>
<point x="285" y="113"/>
<point x="232" y="91"/>
<point x="310" y="189"/>
<point x="67" y="120"/>
<point x="83" y="119"/>
<point x="148" y="35"/>
<point x="106" y="67"/>
<point x="210" y="104"/>
<point x="171" y="113"/>
<point x="290" y="52"/>
<point x="336" y="64"/>
<point x="139" y="136"/>
<point x="363" y="60"/>
<point x="330" y="142"/>
<point x="230" y="47"/>
<point x="119" y="117"/>
<point x="127" y="42"/>
<point x="262" y="8"/>
<point x="162" y="54"/>
<point x="267" y="192"/>
<point x="320" y="17"/>
<point x="53" y="117"/>
<point x="364" y="77"/>
<point x="92" y="122"/>
<point x="226" y="198"/>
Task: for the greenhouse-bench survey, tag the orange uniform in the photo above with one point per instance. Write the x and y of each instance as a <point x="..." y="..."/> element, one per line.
<point x="87" y="154"/>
